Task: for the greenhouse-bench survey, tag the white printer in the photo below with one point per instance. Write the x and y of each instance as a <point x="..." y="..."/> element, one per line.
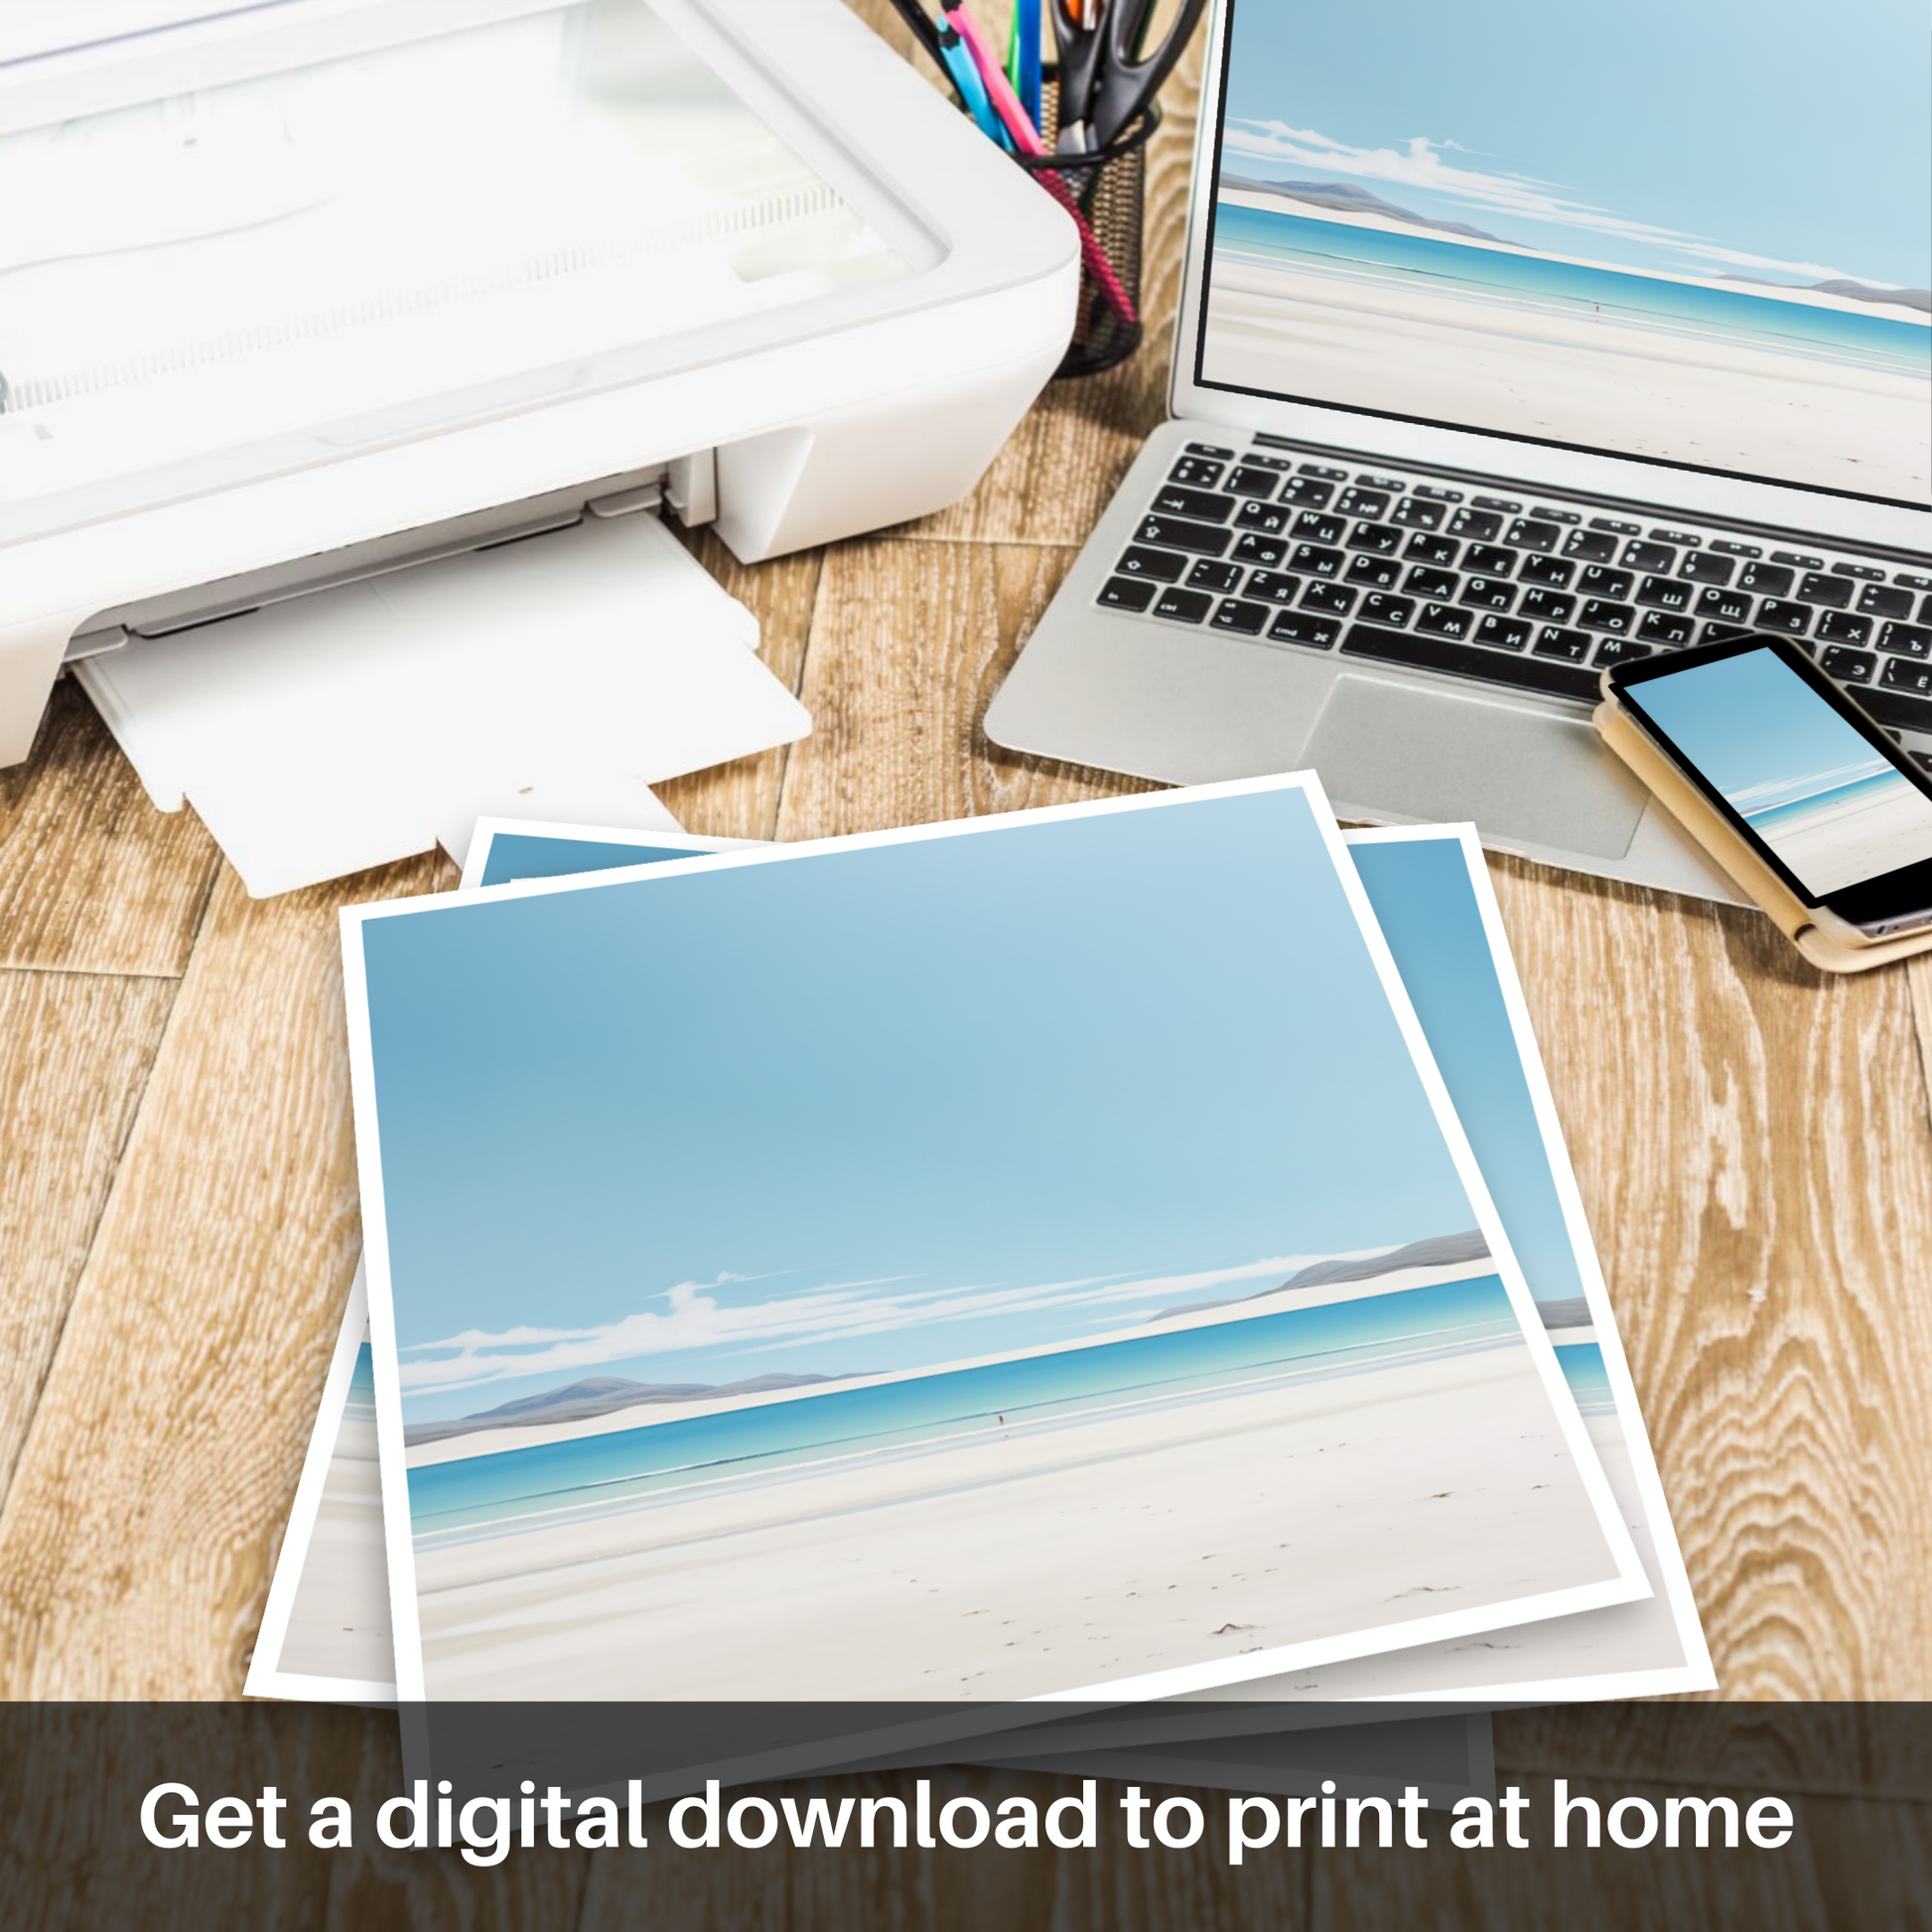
<point x="300" y="293"/>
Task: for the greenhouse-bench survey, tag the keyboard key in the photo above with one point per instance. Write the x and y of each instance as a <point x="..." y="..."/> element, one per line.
<point x="1907" y="640"/>
<point x="1660" y="628"/>
<point x="1649" y="556"/>
<point x="1162" y="564"/>
<point x="1854" y="666"/>
<point x="1446" y="620"/>
<point x="1531" y="533"/>
<point x="1866" y="573"/>
<point x="1487" y="593"/>
<point x="1730" y="549"/>
<point x="1183" y="606"/>
<point x="1553" y="571"/>
<point x="1555" y="516"/>
<point x="1834" y="593"/>
<point x="1703" y="567"/>
<point x="1840" y="627"/>
<point x="1896" y="708"/>
<point x="1765" y="578"/>
<point x="1234" y="614"/>
<point x="1437" y="653"/>
<point x="1261" y="461"/>
<point x="1305" y="493"/>
<point x="1382" y="539"/>
<point x="1776" y="614"/>
<point x="1312" y="527"/>
<point x="1430" y="583"/>
<point x="1601" y="615"/>
<point x="1665" y="593"/>
<point x="1480" y="524"/>
<point x="1208" y="574"/>
<point x="1331" y="599"/>
<point x="1598" y="582"/>
<point x="1172" y="499"/>
<point x="1546" y="607"/>
<point x="1796" y="559"/>
<point x="1590" y="546"/>
<point x="1252" y="548"/>
<point x="1728" y="606"/>
<point x="1925" y="611"/>
<point x="1620" y="650"/>
<point x="1426" y="549"/>
<point x="1418" y="513"/>
<point x="1379" y="609"/>
<point x="1876" y="601"/>
<point x="1553" y="642"/>
<point x="1128" y="593"/>
<point x="1437" y="494"/>
<point x="1210" y="449"/>
<point x="1297" y="628"/>
<point x="1275" y="586"/>
<point x="1674" y="536"/>
<point x="1196" y="471"/>
<point x="1379" y="573"/>
<point x="1502" y="633"/>
<point x="1907" y="675"/>
<point x="1617" y="527"/>
<point x="1489" y="560"/>
<point x="1247" y="480"/>
<point x="1176" y="533"/>
<point x="1363" y="502"/>
<point x="1911" y="581"/>
<point x="1326" y="471"/>
<point x="1269" y="518"/>
<point x="1390" y="483"/>
<point x="1315" y="561"/>
<point x="1502" y="503"/>
<point x="1726" y="634"/>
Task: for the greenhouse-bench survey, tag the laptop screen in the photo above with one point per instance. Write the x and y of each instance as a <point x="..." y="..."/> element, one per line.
<point x="1697" y="234"/>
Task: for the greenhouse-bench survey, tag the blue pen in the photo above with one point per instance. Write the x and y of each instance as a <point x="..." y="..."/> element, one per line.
<point x="972" y="90"/>
<point x="1026" y="82"/>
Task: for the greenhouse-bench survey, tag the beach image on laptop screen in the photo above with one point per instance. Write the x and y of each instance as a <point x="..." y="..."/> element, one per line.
<point x="1629" y="232"/>
<point x="1832" y="808"/>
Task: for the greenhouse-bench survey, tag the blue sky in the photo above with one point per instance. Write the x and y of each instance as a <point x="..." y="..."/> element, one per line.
<point x="1783" y="141"/>
<point x="683" y="1127"/>
<point x="1756" y="731"/>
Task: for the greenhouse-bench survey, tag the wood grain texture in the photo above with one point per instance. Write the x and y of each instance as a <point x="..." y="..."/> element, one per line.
<point x="138" y="1532"/>
<point x="909" y="642"/>
<point x="93" y="879"/>
<point x="1753" y="1147"/>
<point x="76" y="1056"/>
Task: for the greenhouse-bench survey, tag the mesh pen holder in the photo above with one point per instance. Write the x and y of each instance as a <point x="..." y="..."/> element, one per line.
<point x="1106" y="192"/>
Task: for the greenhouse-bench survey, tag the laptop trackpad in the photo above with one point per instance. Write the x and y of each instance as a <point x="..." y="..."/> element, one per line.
<point x="1385" y="747"/>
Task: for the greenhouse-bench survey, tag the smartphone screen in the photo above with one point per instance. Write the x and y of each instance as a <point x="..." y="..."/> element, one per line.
<point x="1827" y="798"/>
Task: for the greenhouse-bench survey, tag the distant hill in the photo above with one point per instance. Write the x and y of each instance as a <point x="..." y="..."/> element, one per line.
<point x="1438" y="1251"/>
<point x="1573" y="1312"/>
<point x="1919" y="299"/>
<point x="1351" y="199"/>
<point x="603" y="1395"/>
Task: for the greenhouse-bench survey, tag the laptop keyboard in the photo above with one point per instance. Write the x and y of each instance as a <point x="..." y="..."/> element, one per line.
<point x="1529" y="594"/>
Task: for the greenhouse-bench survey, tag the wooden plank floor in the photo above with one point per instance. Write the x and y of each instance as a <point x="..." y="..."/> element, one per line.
<point x="178" y="1219"/>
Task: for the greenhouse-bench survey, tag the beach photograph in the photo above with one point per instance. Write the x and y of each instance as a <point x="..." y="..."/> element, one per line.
<point x="1480" y="258"/>
<point x="1834" y="810"/>
<point x="945" y="1331"/>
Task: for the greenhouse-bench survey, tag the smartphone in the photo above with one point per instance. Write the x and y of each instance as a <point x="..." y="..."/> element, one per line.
<point x="1823" y="797"/>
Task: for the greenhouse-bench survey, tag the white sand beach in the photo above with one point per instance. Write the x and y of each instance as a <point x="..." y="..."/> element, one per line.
<point x="1042" y="1562"/>
<point x="1524" y="370"/>
<point x="1863" y="838"/>
<point x="339" y="1624"/>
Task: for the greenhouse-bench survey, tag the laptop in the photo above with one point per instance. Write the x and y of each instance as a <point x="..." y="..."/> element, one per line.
<point x="1514" y="342"/>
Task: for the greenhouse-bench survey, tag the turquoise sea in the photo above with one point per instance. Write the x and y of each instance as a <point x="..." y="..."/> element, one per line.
<point x="1587" y="1379"/>
<point x="1861" y="791"/>
<point x="627" y="1467"/>
<point x="1753" y="319"/>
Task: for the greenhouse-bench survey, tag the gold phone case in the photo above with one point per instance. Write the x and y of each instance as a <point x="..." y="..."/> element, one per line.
<point x="1733" y="854"/>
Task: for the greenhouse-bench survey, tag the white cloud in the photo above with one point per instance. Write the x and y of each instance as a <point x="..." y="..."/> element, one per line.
<point x="1418" y="165"/>
<point x="835" y="1312"/>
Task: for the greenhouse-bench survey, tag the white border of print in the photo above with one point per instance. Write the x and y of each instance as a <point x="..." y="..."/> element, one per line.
<point x="267" y="1678"/>
<point x="1696" y="1673"/>
<point x="1628" y="1585"/>
<point x="488" y="829"/>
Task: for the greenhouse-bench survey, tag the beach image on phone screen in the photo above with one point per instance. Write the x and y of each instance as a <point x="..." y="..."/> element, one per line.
<point x="1829" y="806"/>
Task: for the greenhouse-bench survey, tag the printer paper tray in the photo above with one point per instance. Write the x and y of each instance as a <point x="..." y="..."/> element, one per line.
<point x="556" y="677"/>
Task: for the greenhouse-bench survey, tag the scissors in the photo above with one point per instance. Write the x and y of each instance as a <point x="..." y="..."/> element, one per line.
<point x="1107" y="75"/>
